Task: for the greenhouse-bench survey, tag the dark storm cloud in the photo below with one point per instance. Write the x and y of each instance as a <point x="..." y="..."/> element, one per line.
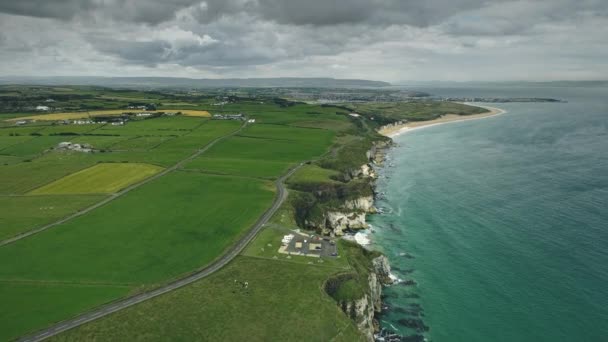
<point x="146" y="53"/>
<point x="59" y="9"/>
<point x="145" y="11"/>
<point x="291" y="12"/>
<point x="348" y="38"/>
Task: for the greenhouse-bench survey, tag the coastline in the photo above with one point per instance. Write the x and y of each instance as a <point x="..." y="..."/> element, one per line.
<point x="394" y="130"/>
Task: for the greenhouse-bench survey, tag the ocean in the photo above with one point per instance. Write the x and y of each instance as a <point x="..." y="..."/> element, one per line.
<point x="501" y="223"/>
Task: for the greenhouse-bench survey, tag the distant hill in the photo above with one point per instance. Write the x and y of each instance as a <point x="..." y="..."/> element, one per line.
<point x="176" y="82"/>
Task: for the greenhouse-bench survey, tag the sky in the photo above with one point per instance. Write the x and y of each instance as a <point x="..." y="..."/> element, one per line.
<point x="386" y="40"/>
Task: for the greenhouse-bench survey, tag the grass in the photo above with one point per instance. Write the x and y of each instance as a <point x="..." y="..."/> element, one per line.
<point x="240" y="167"/>
<point x="139" y="143"/>
<point x="27" y="306"/>
<point x="266" y="149"/>
<point x="283" y="302"/>
<point x="102" y="178"/>
<point x="174" y="225"/>
<point x="163" y="229"/>
<point x="413" y="111"/>
<point x="23" y="213"/>
<point x="33" y="147"/>
<point x="313" y="174"/>
<point x="22" y="177"/>
<point x="98" y="142"/>
<point x="6" y="141"/>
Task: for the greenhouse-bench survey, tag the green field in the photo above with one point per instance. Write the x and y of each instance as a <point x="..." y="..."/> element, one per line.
<point x="172" y="225"/>
<point x="23" y="213"/>
<point x="313" y="174"/>
<point x="102" y="178"/>
<point x="21" y="177"/>
<point x="264" y="151"/>
<point x="413" y="111"/>
<point x="283" y="302"/>
<point x="33" y="305"/>
<point x="165" y="228"/>
<point x="33" y="147"/>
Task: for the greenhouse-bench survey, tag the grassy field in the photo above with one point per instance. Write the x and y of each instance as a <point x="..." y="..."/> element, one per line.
<point x="102" y="178"/>
<point x="33" y="147"/>
<point x="283" y="302"/>
<point x="23" y="213"/>
<point x="264" y="151"/>
<point x="163" y="229"/>
<point x="167" y="227"/>
<point x="21" y="177"/>
<point x="27" y="306"/>
<point x="93" y="113"/>
<point x="313" y="174"/>
<point x="413" y="111"/>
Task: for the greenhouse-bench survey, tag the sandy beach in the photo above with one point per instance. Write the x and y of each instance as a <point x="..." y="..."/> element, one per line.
<point x="395" y="130"/>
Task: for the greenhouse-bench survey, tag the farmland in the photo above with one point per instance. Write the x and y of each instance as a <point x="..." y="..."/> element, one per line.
<point x="99" y="179"/>
<point x="218" y="180"/>
<point x="94" y="113"/>
<point x="23" y="213"/>
<point x="156" y="232"/>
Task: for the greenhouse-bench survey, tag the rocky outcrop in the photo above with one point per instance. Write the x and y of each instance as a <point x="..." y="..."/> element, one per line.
<point x="382" y="269"/>
<point x="352" y="215"/>
<point x="377" y="154"/>
<point x="334" y="223"/>
<point x="365" y="203"/>
<point x="340" y="221"/>
<point x="362" y="311"/>
<point x="365" y="171"/>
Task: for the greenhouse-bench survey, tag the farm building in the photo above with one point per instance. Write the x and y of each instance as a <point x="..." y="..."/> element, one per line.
<point x="239" y="116"/>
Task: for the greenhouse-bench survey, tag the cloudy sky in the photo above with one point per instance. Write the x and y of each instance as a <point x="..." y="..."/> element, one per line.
<point x="390" y="40"/>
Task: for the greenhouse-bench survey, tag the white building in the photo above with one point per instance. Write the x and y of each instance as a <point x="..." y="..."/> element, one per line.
<point x="42" y="108"/>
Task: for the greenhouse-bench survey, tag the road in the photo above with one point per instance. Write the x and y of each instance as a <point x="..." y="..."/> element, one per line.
<point x="201" y="273"/>
<point x="121" y="192"/>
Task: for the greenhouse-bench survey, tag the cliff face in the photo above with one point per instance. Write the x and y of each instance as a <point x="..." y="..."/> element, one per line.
<point x="365" y="204"/>
<point x="363" y="310"/>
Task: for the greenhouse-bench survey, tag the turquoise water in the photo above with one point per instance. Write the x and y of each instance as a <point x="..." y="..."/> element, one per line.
<point x="502" y="222"/>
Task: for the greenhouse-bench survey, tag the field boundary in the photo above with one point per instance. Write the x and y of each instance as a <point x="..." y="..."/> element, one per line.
<point x="123" y="191"/>
<point x="201" y="273"/>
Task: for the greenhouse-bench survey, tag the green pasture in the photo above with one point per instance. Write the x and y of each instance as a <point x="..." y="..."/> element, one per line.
<point x="313" y="174"/>
<point x="284" y="301"/>
<point x="99" y="142"/>
<point x="28" y="306"/>
<point x="33" y="147"/>
<point x="23" y="213"/>
<point x="22" y="177"/>
<point x="140" y="143"/>
<point x="163" y="229"/>
<point x="240" y="167"/>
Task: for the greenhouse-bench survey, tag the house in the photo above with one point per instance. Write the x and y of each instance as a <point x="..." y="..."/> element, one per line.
<point x="20" y="122"/>
<point x="251" y="120"/>
<point x="354" y="115"/>
<point x="82" y="122"/>
<point x="118" y="123"/>
<point x="45" y="108"/>
<point x="143" y="114"/>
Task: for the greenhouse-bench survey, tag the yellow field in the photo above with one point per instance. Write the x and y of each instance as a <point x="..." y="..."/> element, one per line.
<point x="191" y="112"/>
<point x="81" y="115"/>
<point x="102" y="178"/>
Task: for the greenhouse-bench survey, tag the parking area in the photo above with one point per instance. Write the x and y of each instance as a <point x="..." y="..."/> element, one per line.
<point x="307" y="245"/>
